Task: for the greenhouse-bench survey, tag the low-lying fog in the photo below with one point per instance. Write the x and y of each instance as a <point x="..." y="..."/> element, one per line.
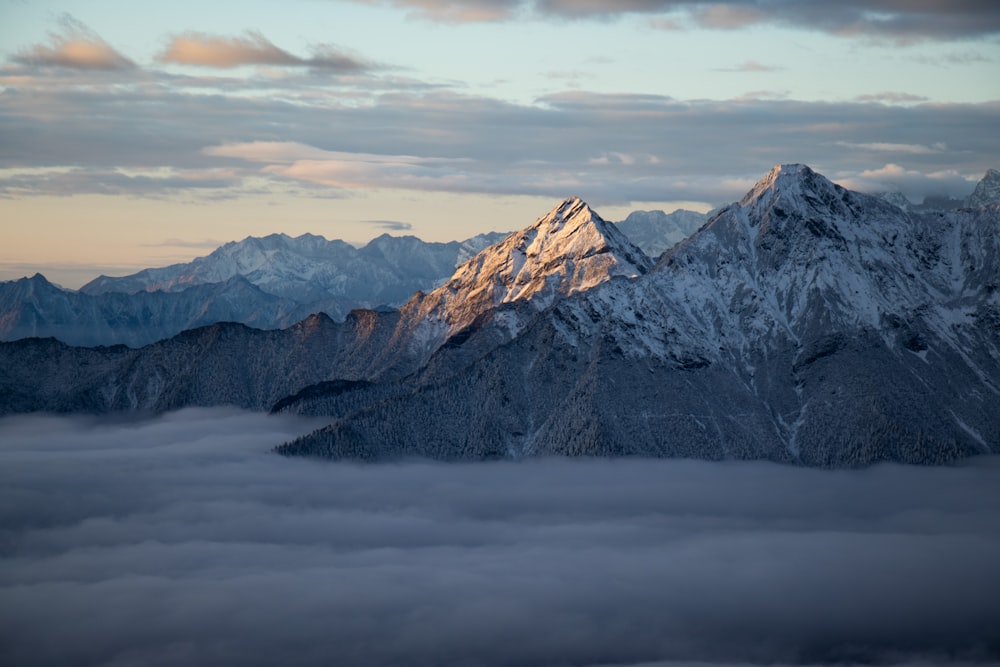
<point x="183" y="541"/>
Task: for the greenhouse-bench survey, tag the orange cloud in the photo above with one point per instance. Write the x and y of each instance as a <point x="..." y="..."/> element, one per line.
<point x="76" y="48"/>
<point x="203" y="50"/>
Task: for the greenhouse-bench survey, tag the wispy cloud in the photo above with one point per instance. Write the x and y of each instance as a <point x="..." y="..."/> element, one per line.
<point x="391" y="225"/>
<point x="74" y="47"/>
<point x="891" y="97"/>
<point x="203" y="50"/>
<point x="906" y="149"/>
<point x="463" y="11"/>
<point x="751" y="66"/>
<point x="67" y="182"/>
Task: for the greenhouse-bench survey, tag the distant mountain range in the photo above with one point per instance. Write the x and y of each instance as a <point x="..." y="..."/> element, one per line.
<point x="805" y="323"/>
<point x="267" y="283"/>
<point x="656" y="232"/>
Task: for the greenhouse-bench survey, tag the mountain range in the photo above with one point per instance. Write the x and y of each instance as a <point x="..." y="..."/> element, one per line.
<point x="265" y="282"/>
<point x="268" y="283"/>
<point x="806" y="324"/>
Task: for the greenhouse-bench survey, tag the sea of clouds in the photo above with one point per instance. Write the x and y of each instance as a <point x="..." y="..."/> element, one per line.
<point x="182" y="540"/>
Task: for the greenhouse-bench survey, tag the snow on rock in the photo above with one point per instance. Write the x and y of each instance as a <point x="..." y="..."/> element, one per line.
<point x="569" y="250"/>
<point x="310" y="269"/>
<point x="987" y="190"/>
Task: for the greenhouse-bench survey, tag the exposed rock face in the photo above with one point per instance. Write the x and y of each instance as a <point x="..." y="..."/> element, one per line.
<point x="987" y="192"/>
<point x="569" y="250"/>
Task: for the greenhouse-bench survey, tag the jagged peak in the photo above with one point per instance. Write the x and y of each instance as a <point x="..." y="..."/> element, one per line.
<point x="790" y="179"/>
<point x="572" y="208"/>
<point x="570" y="249"/>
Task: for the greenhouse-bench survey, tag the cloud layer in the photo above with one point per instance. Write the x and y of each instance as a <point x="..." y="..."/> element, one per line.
<point x="71" y="135"/>
<point x="78" y="117"/>
<point x="932" y="19"/>
<point x="182" y="541"/>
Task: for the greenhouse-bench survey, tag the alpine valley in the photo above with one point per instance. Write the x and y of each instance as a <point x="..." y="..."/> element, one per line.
<point x="806" y="324"/>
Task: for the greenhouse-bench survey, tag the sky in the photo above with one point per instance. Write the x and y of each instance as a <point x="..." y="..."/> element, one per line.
<point x="182" y="540"/>
<point x="142" y="134"/>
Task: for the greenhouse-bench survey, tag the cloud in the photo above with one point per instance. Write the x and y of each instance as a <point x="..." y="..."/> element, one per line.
<point x="74" y="47"/>
<point x="464" y="11"/>
<point x="751" y="66"/>
<point x="892" y="19"/>
<point x="905" y="149"/>
<point x="200" y="49"/>
<point x="914" y="184"/>
<point x="609" y="149"/>
<point x="182" y="540"/>
<point x="891" y="97"/>
<point x="67" y="182"/>
<point x="728" y="16"/>
<point x="391" y="225"/>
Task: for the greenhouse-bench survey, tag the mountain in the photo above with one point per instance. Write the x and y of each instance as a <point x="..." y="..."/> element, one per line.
<point x="564" y="252"/>
<point x="896" y="199"/>
<point x="309" y="268"/>
<point x="219" y="364"/>
<point x="268" y="283"/>
<point x="34" y="307"/>
<point x="987" y="192"/>
<point x="805" y="323"/>
<point x="569" y="250"/>
<point x="656" y="231"/>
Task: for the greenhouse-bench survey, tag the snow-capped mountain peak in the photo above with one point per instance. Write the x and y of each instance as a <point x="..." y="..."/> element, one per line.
<point x="791" y="186"/>
<point x="568" y="250"/>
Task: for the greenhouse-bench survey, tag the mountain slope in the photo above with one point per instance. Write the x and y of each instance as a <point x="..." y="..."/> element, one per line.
<point x="655" y="231"/>
<point x="569" y="250"/>
<point x="34" y="307"/>
<point x="805" y="323"/>
<point x="220" y="364"/>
